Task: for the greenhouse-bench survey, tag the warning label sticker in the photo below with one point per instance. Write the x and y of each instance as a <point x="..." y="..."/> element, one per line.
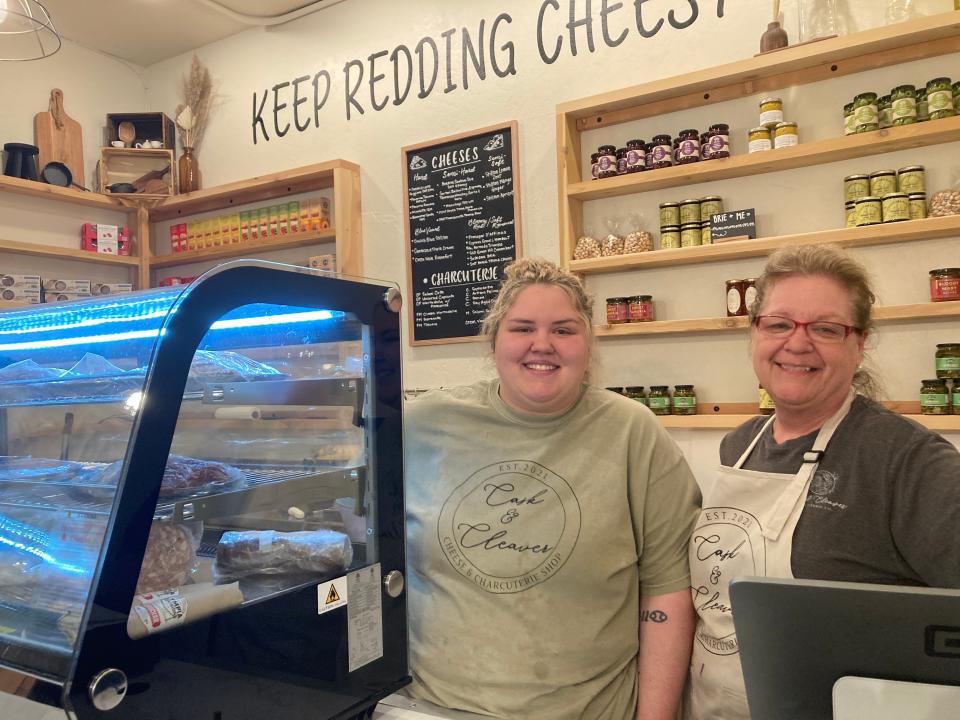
<point x="331" y="595"/>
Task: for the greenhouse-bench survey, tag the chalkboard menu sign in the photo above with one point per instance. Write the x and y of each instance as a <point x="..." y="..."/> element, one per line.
<point x="462" y="210"/>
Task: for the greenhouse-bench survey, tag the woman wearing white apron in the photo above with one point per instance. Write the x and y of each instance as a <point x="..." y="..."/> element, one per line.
<point x="833" y="486"/>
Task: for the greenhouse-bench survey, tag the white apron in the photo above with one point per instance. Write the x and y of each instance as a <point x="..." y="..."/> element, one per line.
<point x="745" y="529"/>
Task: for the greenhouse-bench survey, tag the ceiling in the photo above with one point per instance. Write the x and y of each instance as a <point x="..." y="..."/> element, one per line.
<point x="145" y="32"/>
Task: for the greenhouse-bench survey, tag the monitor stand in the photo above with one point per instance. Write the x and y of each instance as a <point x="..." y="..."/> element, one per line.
<point x="859" y="698"/>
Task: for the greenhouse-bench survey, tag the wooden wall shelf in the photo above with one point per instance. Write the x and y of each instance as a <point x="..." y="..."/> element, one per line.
<point x="53" y="251"/>
<point x="819" y="152"/>
<point x="940" y="423"/>
<point x="913" y="230"/>
<point x="44" y="191"/>
<point x="890" y="313"/>
<point x="243" y="249"/>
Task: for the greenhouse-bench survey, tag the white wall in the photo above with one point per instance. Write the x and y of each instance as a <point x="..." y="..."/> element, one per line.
<point x="256" y="60"/>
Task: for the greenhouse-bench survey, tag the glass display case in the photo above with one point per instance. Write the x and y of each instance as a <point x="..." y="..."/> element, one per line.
<point x="201" y="500"/>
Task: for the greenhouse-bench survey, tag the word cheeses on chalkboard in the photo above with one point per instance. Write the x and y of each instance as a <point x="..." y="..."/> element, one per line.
<point x="462" y="207"/>
<point x="736" y="224"/>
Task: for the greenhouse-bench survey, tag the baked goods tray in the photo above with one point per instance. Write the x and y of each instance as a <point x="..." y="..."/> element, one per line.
<point x="266" y="487"/>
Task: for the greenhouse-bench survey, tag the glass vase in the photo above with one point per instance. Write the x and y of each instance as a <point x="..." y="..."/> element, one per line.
<point x="188" y="171"/>
<point x="823" y="18"/>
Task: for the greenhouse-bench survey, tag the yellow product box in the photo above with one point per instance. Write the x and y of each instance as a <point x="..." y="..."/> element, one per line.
<point x="264" y="215"/>
<point x="305" y="216"/>
<point x="191" y="241"/>
<point x="283" y="219"/>
<point x="245" y="226"/>
<point x="235" y="228"/>
<point x="293" y="213"/>
<point x="209" y="228"/>
<point x="224" y="222"/>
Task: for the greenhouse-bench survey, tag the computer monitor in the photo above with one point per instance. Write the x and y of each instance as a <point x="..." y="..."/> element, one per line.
<point x="798" y="637"/>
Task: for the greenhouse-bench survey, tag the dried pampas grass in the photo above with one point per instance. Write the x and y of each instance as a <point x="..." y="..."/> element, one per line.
<point x="193" y="114"/>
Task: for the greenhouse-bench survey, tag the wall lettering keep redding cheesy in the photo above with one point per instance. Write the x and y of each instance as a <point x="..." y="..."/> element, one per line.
<point x="457" y="57"/>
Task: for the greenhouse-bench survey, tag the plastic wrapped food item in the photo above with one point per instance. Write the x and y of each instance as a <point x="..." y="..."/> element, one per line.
<point x="170" y="557"/>
<point x="587" y="247"/>
<point x="638" y="241"/>
<point x="185" y="476"/>
<point x="91" y="365"/>
<point x="252" y="552"/>
<point x="612" y="245"/>
<point x="28" y="370"/>
<point x="227" y="366"/>
<point x="945" y="202"/>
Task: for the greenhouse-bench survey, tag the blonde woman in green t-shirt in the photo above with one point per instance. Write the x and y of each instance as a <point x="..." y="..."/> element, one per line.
<point x="547" y="523"/>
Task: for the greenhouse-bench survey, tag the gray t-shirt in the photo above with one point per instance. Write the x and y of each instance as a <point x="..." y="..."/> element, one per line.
<point x="883" y="505"/>
<point x="530" y="541"/>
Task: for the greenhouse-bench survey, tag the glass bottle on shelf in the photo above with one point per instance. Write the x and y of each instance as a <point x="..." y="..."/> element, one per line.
<point x="189" y="171"/>
<point x="823" y="18"/>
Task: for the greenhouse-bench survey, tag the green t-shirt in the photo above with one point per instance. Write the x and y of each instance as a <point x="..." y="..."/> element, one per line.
<point x="530" y="541"/>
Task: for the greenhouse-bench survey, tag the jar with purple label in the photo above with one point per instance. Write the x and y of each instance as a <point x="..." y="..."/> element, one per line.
<point x="636" y="156"/>
<point x="621" y="161"/>
<point x="606" y="161"/>
<point x="688" y="147"/>
<point x="662" y="152"/>
<point x="718" y="138"/>
<point x="705" y="146"/>
<point x="594" y="165"/>
<point x="648" y="151"/>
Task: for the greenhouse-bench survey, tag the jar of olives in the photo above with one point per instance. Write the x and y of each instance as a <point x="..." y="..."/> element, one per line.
<point x="940" y="98"/>
<point x="865" y="112"/>
<point x="923" y="107"/>
<point x="636" y="392"/>
<point x="659" y="399"/>
<point x="934" y="397"/>
<point x="948" y="361"/>
<point x="684" y="400"/>
<point x="903" y="105"/>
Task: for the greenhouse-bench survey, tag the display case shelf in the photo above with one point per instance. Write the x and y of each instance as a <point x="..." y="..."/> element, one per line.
<point x="890" y="313"/>
<point x="910" y="231"/>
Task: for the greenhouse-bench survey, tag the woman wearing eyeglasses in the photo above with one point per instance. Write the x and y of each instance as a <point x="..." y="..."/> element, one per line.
<point x="832" y="487"/>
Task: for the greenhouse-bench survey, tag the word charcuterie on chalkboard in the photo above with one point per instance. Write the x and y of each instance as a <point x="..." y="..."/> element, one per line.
<point x="462" y="222"/>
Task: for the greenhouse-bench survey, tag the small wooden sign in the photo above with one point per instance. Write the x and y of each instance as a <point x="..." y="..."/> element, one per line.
<point x="735" y="223"/>
<point x="461" y="202"/>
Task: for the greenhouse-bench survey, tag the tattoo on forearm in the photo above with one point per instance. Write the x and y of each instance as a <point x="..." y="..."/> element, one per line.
<point x="657" y="616"/>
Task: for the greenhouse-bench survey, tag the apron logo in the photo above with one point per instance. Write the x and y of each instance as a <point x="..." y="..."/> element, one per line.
<point x="823" y="483"/>
<point x="509" y="526"/>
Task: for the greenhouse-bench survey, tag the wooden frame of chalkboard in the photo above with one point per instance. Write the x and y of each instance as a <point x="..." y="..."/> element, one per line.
<point x="461" y="208"/>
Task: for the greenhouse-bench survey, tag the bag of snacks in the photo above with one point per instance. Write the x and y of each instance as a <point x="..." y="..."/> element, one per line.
<point x="613" y="242"/>
<point x="637" y="240"/>
<point x="587" y="247"/>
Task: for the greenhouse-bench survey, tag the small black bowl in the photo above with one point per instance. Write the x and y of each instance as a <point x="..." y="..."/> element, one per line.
<point x="121" y="188"/>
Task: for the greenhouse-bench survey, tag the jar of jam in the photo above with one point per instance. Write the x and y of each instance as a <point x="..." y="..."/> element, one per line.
<point x="617" y="310"/>
<point x="710" y="206"/>
<point x="669" y="214"/>
<point x="670" y="237"/>
<point x="940" y="98"/>
<point x="765" y="401"/>
<point x="690" y="211"/>
<point x="606" y="161"/>
<point x="885" y="111"/>
<point x="621" y="161"/>
<point x="785" y="134"/>
<point x="866" y="114"/>
<point x="640" y="308"/>
<point x="849" y="124"/>
<point x="749" y="293"/>
<point x="759" y="140"/>
<point x="945" y="284"/>
<point x="706" y="233"/>
<point x="662" y="152"/>
<point x="684" y="400"/>
<point x="895" y="207"/>
<point x="648" y="159"/>
<point x="912" y="179"/>
<point x="690" y="235"/>
<point x="855" y="187"/>
<point x="918" y="205"/>
<point x="704" y="146"/>
<point x="659" y="399"/>
<point x="850" y="213"/>
<point x="771" y="112"/>
<point x="869" y="211"/>
<point x="718" y="139"/>
<point x="594" y="165"/>
<point x="883" y="182"/>
<point x="688" y="146"/>
<point x="903" y="105"/>
<point x="934" y="397"/>
<point x="923" y="107"/>
<point x="735" y="304"/>
<point x="948" y="361"/>
<point x="636" y="156"/>
<point x="636" y="392"/>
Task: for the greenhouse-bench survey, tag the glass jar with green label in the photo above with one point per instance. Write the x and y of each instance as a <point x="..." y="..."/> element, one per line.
<point x="903" y="105"/>
<point x="659" y="399"/>
<point x="940" y="98"/>
<point x="918" y="205"/>
<point x="710" y="206"/>
<point x="690" y="235"/>
<point x="869" y="211"/>
<point x="934" y="397"/>
<point x="689" y="211"/>
<point x="855" y="187"/>
<point x="866" y="116"/>
<point x="948" y="361"/>
<point x="706" y="237"/>
<point x="669" y="214"/>
<point x="684" y="400"/>
<point x="895" y="207"/>
<point x="955" y="403"/>
<point x="956" y="97"/>
<point x="923" y="107"/>
<point x="912" y="179"/>
<point x="670" y="237"/>
<point x="885" y="111"/>
<point x="850" y="213"/>
<point x="636" y="392"/>
<point x="849" y="123"/>
<point x="883" y="182"/>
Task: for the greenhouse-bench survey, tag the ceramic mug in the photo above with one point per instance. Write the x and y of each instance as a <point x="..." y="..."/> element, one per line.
<point x="118" y="143"/>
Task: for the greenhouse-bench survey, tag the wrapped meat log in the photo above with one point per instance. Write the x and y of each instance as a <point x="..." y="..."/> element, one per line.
<point x="169" y="559"/>
<point x="270" y="552"/>
<point x="185" y="476"/>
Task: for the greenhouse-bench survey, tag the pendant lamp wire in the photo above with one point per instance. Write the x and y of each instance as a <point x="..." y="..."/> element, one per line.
<point x="26" y="31"/>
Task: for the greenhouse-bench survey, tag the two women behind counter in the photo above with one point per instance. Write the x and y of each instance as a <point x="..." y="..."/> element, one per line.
<point x="548" y="520"/>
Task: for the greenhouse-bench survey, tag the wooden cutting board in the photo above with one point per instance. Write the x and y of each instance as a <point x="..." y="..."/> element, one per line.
<point x="59" y="137"/>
